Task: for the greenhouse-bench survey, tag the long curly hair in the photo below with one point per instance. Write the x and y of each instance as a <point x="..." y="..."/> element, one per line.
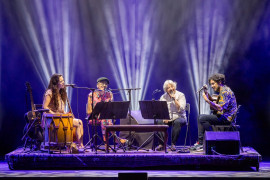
<point x="53" y="85"/>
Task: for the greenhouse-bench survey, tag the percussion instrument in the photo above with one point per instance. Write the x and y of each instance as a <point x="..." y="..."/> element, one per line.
<point x="58" y="130"/>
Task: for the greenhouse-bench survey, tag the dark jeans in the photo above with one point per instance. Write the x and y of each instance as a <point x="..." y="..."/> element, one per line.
<point x="176" y="128"/>
<point x="205" y="122"/>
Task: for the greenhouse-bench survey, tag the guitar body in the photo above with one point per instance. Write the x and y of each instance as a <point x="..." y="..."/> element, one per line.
<point x="215" y="99"/>
<point x="30" y="117"/>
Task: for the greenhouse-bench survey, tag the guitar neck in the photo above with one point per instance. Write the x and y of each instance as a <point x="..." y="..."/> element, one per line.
<point x="32" y="105"/>
<point x="29" y="89"/>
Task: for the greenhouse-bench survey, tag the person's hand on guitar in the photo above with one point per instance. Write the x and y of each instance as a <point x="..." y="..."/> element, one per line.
<point x="211" y="101"/>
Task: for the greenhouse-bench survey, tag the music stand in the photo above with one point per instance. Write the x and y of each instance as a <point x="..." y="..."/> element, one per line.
<point x="94" y="116"/>
<point x="154" y="110"/>
<point x="114" y="110"/>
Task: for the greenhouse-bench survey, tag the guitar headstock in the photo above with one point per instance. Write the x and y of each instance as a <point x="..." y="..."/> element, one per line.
<point x="28" y="87"/>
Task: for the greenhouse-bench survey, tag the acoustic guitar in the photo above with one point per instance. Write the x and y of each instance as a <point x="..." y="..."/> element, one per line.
<point x="31" y="115"/>
<point x="215" y="99"/>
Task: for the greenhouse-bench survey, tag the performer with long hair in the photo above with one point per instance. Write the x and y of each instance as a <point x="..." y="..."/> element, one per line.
<point x="55" y="99"/>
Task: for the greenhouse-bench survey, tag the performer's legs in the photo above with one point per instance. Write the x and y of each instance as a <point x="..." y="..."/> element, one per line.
<point x="176" y="128"/>
<point x="205" y="122"/>
<point x="105" y="122"/>
<point x="79" y="132"/>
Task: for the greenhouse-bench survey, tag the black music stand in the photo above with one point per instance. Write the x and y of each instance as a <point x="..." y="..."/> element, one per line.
<point x="154" y="110"/>
<point x="114" y="110"/>
<point x="94" y="116"/>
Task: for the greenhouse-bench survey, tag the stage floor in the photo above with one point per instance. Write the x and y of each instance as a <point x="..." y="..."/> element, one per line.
<point x="6" y="173"/>
<point x="21" y="159"/>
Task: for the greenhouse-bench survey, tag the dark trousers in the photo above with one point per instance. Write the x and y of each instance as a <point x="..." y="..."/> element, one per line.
<point x="205" y="122"/>
<point x="176" y="128"/>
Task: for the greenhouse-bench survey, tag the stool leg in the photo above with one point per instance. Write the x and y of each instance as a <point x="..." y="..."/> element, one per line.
<point x="165" y="140"/>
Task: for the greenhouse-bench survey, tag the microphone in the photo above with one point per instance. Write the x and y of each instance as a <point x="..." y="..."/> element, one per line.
<point x="70" y="85"/>
<point x="157" y="90"/>
<point x="107" y="90"/>
<point x="202" y="88"/>
<point x="154" y="92"/>
<point x="171" y="94"/>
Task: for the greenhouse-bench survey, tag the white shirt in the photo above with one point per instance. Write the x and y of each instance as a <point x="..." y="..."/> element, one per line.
<point x="175" y="112"/>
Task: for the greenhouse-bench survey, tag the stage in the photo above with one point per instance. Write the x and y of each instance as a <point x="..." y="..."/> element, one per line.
<point x="21" y="159"/>
<point x="5" y="173"/>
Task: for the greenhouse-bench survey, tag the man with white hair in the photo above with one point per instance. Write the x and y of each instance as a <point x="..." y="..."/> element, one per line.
<point x="176" y="102"/>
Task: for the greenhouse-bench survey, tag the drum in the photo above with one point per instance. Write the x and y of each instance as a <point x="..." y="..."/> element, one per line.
<point x="58" y="130"/>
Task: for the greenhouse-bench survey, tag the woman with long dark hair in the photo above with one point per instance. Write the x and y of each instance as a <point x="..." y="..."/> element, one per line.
<point x="55" y="99"/>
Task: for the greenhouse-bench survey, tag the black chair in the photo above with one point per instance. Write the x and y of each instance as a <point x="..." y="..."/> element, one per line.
<point x="187" y="109"/>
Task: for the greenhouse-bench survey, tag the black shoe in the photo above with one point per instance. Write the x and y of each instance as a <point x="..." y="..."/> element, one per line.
<point x="159" y="148"/>
<point x="173" y="148"/>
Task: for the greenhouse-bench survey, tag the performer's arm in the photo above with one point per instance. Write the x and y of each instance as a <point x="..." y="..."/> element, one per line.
<point x="208" y="95"/>
<point x="46" y="102"/>
<point x="180" y="102"/>
<point x="111" y="96"/>
<point x="211" y="103"/>
<point x="176" y="101"/>
<point x="89" y="104"/>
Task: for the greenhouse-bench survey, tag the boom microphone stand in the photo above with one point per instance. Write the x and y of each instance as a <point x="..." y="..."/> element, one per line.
<point x="93" y="132"/>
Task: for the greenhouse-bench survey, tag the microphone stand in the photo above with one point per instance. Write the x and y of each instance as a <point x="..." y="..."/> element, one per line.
<point x="199" y="106"/>
<point x="92" y="141"/>
<point x="93" y="129"/>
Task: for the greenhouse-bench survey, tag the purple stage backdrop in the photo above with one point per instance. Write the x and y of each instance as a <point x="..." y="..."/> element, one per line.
<point x="136" y="44"/>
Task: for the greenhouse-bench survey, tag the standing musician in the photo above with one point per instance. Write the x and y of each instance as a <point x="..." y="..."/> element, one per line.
<point x="100" y="95"/>
<point x="55" y="99"/>
<point x="176" y="102"/>
<point x="224" y="108"/>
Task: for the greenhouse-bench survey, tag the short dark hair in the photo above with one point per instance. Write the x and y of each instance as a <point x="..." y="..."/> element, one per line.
<point x="219" y="78"/>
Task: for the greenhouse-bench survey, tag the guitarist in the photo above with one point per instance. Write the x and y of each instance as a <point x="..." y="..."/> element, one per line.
<point x="176" y="102"/>
<point x="224" y="108"/>
<point x="55" y="99"/>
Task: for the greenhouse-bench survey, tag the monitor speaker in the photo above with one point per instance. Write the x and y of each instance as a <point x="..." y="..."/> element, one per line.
<point x="222" y="142"/>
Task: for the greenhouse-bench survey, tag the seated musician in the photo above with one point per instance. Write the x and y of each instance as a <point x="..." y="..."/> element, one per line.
<point x="100" y="95"/>
<point x="224" y="108"/>
<point x="176" y="102"/>
<point x="55" y="99"/>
